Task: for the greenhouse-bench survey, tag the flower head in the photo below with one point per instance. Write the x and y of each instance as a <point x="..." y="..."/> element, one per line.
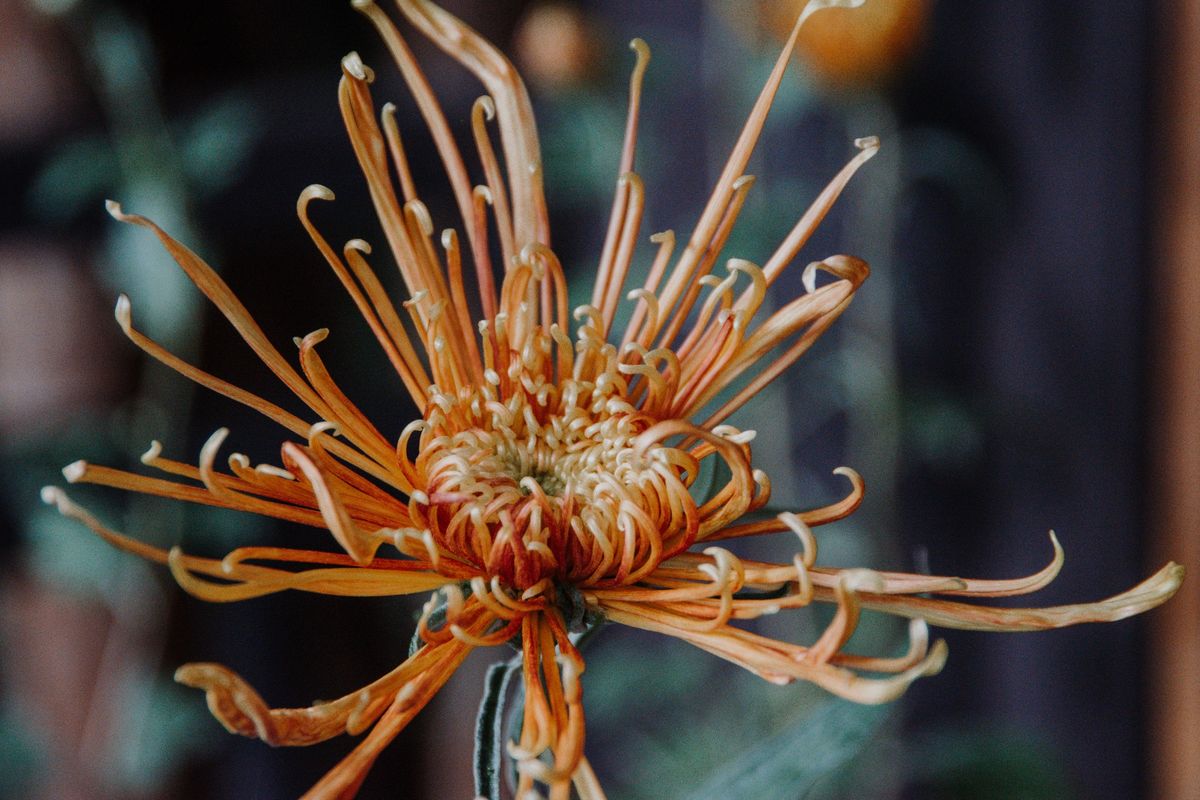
<point x="553" y="478"/>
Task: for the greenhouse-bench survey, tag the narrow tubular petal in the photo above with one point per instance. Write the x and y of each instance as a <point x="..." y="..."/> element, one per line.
<point x="370" y="504"/>
<point x="722" y="196"/>
<point x="358" y="114"/>
<point x="976" y="587"/>
<point x="391" y="132"/>
<point x="618" y="223"/>
<point x="53" y="496"/>
<point x="818" y="516"/>
<point x="807" y="225"/>
<point x="242" y="581"/>
<point x="770" y="373"/>
<point x="737" y="495"/>
<point x="84" y="472"/>
<point x="774" y="665"/>
<point x="435" y="118"/>
<point x="124" y="316"/>
<point x="514" y="112"/>
<point x="246" y="582"/>
<point x="285" y="419"/>
<point x="809" y="315"/>
<point x="356" y="251"/>
<point x="1148" y="594"/>
<point x="215" y="289"/>
<point x="683" y="288"/>
<point x="648" y="302"/>
<point x="360" y="545"/>
<point x="622" y="257"/>
<point x="484" y="110"/>
<point x="384" y="335"/>
<point x="461" y="309"/>
<point x="238" y="707"/>
<point x="351" y="421"/>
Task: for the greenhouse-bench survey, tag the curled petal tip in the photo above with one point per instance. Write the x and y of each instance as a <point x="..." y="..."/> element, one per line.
<point x="421" y="213"/>
<point x="315" y="338"/>
<point x="871" y="143"/>
<point x="209" y="451"/>
<point x="153" y="452"/>
<point x="324" y="426"/>
<point x="848" y="472"/>
<point x="937" y="658"/>
<point x="316" y="191"/>
<point x="745" y="181"/>
<point x="487" y="105"/>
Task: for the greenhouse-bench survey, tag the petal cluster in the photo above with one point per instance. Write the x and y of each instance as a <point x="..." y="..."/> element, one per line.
<point x="555" y="476"/>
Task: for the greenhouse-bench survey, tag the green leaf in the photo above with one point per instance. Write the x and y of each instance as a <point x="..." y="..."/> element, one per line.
<point x="489" y="728"/>
<point x="788" y="763"/>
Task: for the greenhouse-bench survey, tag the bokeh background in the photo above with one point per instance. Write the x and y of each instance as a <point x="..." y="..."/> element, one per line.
<point x="1024" y="357"/>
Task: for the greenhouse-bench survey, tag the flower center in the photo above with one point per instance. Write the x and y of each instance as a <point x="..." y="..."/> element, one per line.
<point x="535" y="482"/>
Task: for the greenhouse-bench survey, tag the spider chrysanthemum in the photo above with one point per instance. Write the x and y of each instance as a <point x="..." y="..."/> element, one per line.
<point x="553" y="478"/>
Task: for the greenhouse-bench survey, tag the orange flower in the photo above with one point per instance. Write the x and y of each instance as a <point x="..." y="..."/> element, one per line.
<point x="549" y="479"/>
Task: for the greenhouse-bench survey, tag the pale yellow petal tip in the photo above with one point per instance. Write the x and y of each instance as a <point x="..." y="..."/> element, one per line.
<point x="483" y="192"/>
<point x="936" y="661"/>
<point x="114" y="210"/>
<point x="353" y="64"/>
<point x="361" y="5"/>
<point x="420" y="213"/>
<point x="123" y="312"/>
<point x="312" y="339"/>
<point x="73" y="472"/>
<point x="361" y="245"/>
<point x="485" y="104"/>
<point x="852" y="475"/>
<point x="870" y="143"/>
<point x="1173" y="575"/>
<point x="53" y="496"/>
<point x="324" y="426"/>
<point x="316" y="191"/>
<point x="152" y="453"/>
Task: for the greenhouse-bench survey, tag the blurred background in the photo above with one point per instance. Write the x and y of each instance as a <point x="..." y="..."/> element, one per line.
<point x="1025" y="356"/>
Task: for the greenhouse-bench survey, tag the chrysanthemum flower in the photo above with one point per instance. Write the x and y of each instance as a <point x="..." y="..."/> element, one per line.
<point x="551" y="481"/>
